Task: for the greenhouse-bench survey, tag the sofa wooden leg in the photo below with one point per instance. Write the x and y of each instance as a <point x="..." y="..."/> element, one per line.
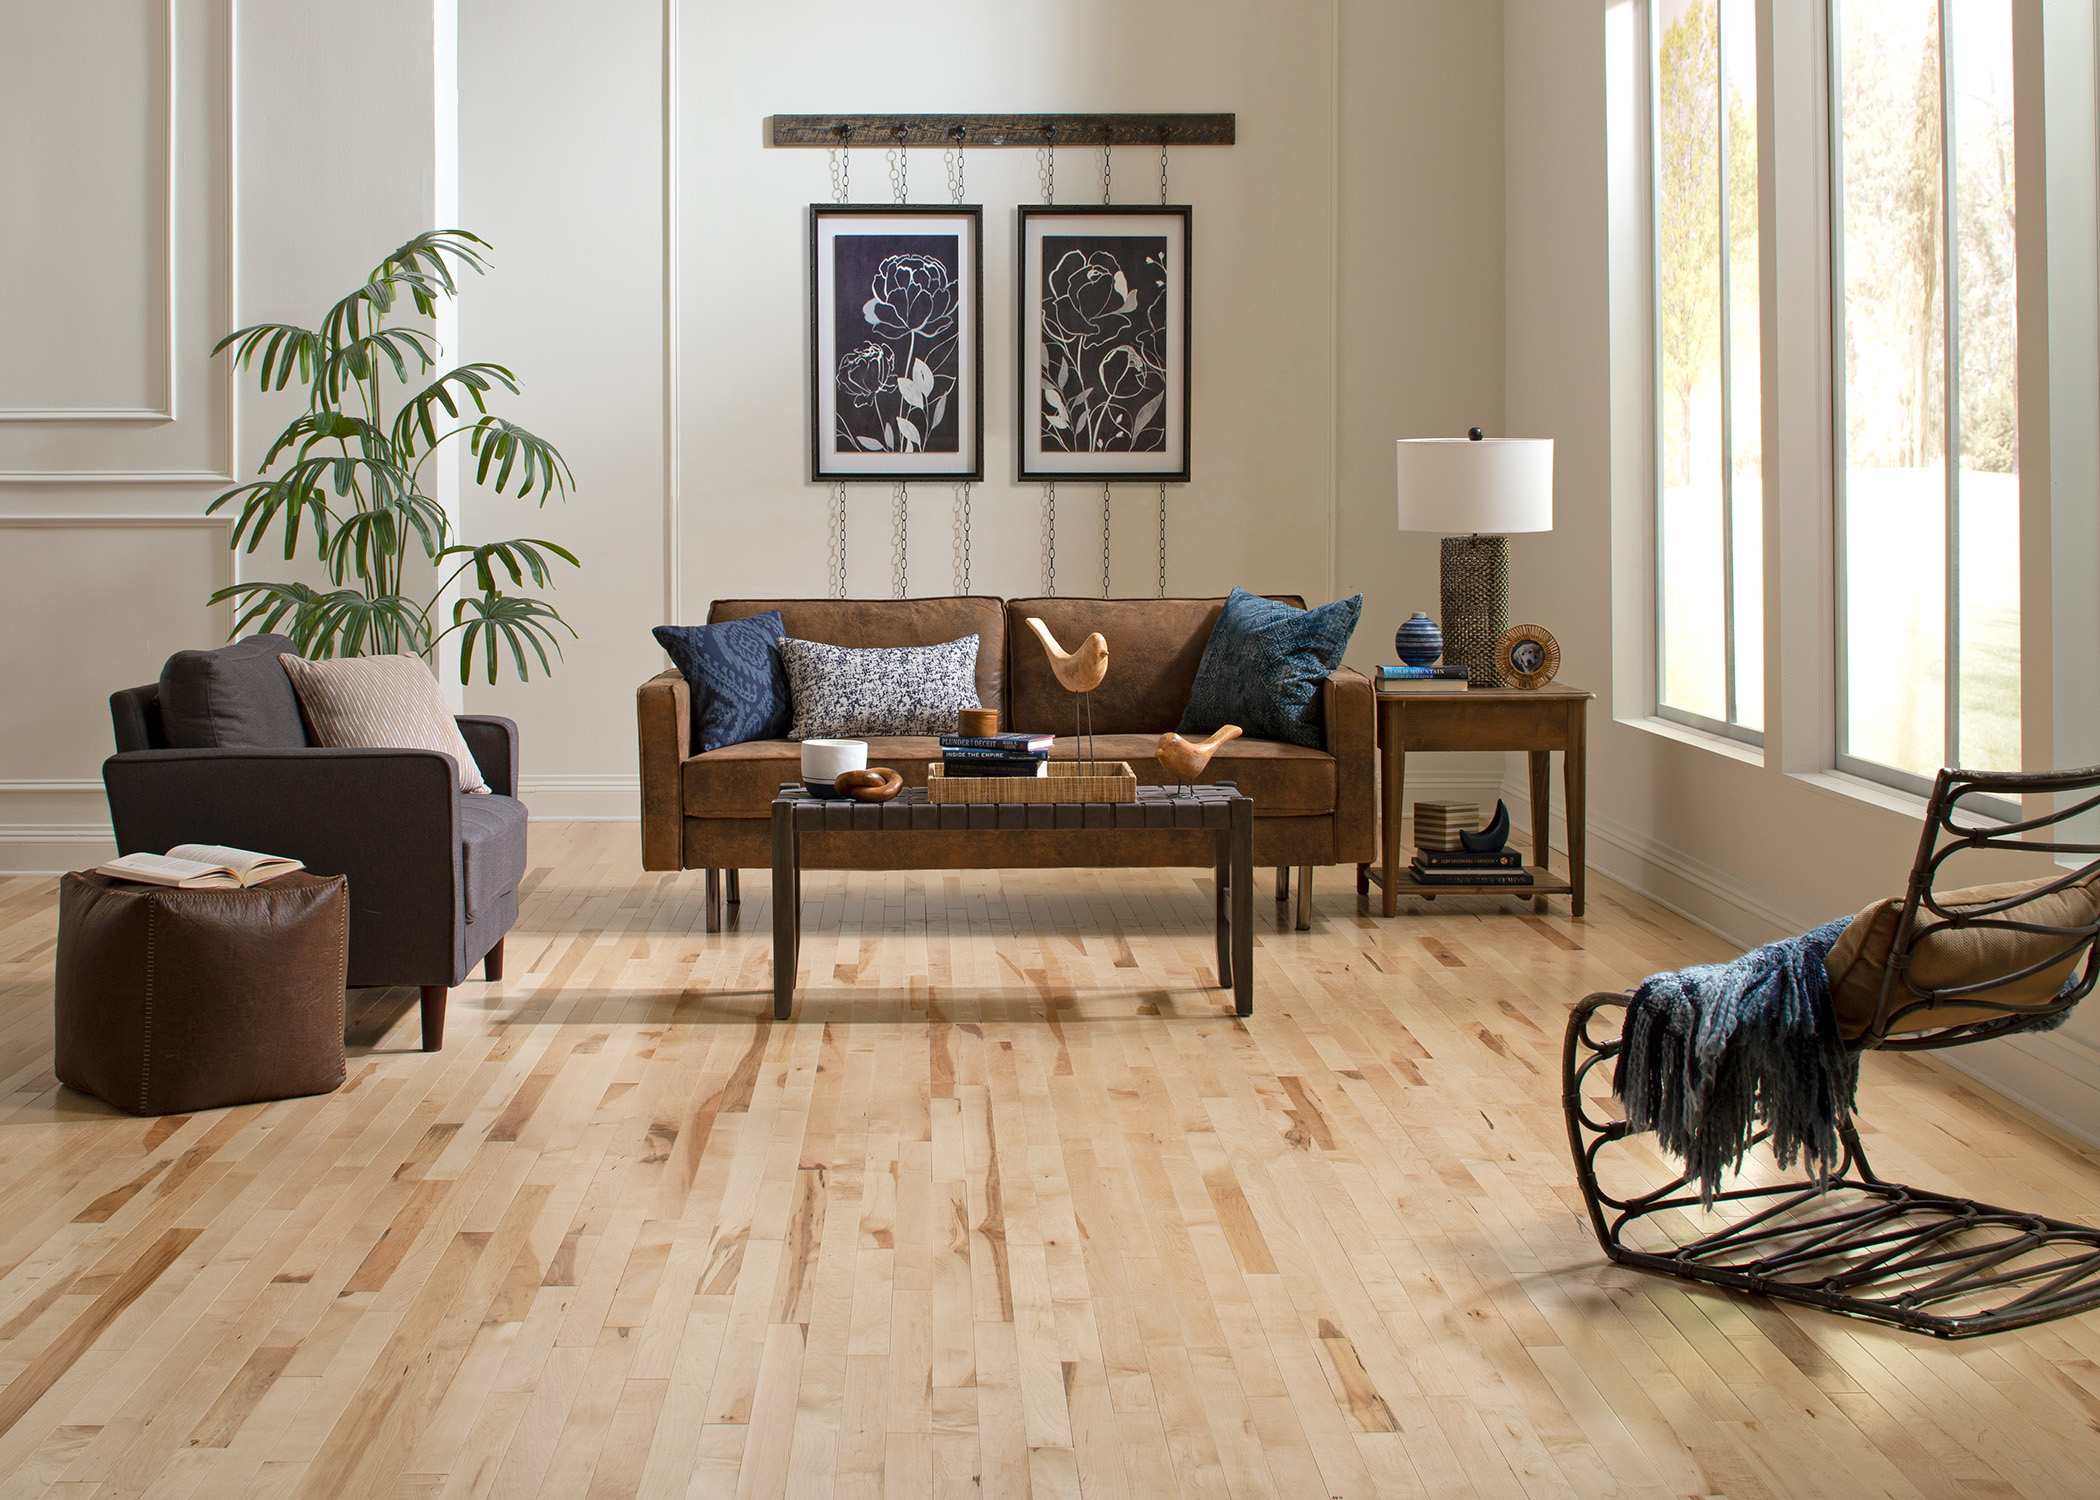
<point x="736" y="888"/>
<point x="1283" y="883"/>
<point x="714" y="900"/>
<point x="433" y="1017"/>
<point x="492" y="962"/>
<point x="1305" y="898"/>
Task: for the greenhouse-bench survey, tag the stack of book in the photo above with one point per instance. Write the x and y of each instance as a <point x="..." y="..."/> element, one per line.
<point x="1419" y="679"/>
<point x="995" y="754"/>
<point x="1460" y="867"/>
<point x="1438" y="824"/>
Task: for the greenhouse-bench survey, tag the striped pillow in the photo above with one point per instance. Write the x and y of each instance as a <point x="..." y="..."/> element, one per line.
<point x="380" y="703"/>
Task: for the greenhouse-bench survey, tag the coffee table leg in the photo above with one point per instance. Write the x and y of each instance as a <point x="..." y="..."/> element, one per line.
<point x="1222" y="887"/>
<point x="785" y="900"/>
<point x="1243" y="905"/>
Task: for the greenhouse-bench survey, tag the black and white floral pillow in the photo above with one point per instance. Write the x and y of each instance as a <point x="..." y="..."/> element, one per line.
<point x="844" y="690"/>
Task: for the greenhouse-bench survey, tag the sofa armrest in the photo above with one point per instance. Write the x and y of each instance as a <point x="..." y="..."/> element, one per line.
<point x="664" y="724"/>
<point x="494" y="742"/>
<point x="1350" y="707"/>
<point x="388" y="819"/>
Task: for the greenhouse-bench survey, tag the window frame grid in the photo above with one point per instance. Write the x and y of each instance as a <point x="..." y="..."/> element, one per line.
<point x="1728" y="728"/>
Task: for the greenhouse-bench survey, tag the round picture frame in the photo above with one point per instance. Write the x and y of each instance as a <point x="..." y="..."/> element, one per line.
<point x="1527" y="656"/>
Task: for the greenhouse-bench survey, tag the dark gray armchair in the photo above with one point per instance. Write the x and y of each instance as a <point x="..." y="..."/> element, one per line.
<point x="433" y="871"/>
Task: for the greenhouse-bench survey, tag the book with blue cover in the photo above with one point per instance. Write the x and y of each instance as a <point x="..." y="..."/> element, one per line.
<point x="1417" y="674"/>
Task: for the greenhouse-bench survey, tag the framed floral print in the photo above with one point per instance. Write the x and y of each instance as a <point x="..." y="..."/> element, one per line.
<point x="1104" y="343"/>
<point x="896" y="342"/>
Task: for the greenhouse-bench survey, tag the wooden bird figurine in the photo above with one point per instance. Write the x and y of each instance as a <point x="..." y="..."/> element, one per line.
<point x="1080" y="671"/>
<point x="1187" y="760"/>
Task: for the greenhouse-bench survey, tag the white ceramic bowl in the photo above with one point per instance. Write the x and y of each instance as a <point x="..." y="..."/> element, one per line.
<point x="822" y="760"/>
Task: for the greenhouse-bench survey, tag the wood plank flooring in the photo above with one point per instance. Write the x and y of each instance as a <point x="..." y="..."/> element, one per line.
<point x="1013" y="1207"/>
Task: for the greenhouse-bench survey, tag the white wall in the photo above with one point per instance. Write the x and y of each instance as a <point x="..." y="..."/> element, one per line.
<point x="1347" y="292"/>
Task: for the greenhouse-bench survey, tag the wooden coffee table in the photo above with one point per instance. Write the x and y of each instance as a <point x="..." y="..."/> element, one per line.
<point x="1218" y="807"/>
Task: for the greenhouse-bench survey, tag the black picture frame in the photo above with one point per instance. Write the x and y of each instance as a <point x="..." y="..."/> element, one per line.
<point x="1102" y="376"/>
<point x="896" y="341"/>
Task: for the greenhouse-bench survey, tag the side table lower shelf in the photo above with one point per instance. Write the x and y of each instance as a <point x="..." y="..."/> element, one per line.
<point x="1544" y="882"/>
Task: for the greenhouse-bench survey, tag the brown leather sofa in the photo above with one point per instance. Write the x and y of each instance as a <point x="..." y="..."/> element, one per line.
<point x="1312" y="807"/>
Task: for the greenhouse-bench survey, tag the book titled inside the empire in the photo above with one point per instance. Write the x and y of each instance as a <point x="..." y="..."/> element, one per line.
<point x="201" y="867"/>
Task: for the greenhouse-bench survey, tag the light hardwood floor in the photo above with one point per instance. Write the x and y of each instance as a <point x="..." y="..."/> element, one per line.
<point x="1013" y="1206"/>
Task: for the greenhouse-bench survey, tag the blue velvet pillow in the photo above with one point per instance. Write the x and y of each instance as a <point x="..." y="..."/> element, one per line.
<point x="1264" y="667"/>
<point x="740" y="689"/>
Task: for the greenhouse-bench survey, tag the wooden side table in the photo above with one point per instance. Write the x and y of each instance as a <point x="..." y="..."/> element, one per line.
<point x="1538" y="721"/>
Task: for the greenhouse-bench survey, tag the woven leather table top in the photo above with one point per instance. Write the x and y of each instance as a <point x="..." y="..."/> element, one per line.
<point x="1205" y="806"/>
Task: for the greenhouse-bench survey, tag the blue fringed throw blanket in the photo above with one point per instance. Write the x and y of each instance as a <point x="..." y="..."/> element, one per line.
<point x="1714" y="1053"/>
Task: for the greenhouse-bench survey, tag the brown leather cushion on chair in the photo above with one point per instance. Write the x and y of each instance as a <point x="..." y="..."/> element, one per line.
<point x="1957" y="955"/>
<point x="170" y="1001"/>
<point x="740" y="781"/>
<point x="892" y="622"/>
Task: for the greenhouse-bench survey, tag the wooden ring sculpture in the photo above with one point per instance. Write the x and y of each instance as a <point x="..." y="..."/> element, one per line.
<point x="875" y="784"/>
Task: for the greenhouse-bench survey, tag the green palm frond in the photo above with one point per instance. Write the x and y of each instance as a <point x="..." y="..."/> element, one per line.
<point x="520" y="558"/>
<point x="359" y="359"/>
<point x="504" y="619"/>
<point x="420" y="264"/>
<point x="504" y="444"/>
<point x="284" y="347"/>
<point x="325" y="426"/>
<point x="472" y="380"/>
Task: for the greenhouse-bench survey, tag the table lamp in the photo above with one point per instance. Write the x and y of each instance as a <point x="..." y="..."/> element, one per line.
<point x="1474" y="491"/>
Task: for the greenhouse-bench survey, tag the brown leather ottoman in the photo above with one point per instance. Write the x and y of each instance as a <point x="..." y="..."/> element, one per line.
<point x="170" y="1001"/>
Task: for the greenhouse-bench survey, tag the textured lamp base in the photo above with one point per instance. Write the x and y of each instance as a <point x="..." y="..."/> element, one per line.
<point x="1476" y="604"/>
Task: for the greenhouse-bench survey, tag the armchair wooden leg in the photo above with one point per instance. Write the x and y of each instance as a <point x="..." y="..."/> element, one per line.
<point x="492" y="962"/>
<point x="1283" y="883"/>
<point x="714" y="900"/>
<point x="433" y="1017"/>
<point x="1305" y="898"/>
<point x="736" y="889"/>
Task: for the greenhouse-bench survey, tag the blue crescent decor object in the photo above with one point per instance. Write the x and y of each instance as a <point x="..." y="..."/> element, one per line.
<point x="1418" y="642"/>
<point x="1492" y="838"/>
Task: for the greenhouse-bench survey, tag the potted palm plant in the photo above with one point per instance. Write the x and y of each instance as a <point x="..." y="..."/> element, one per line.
<point x="351" y="480"/>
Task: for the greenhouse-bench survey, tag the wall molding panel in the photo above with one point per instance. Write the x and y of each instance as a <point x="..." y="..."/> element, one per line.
<point x="186" y="435"/>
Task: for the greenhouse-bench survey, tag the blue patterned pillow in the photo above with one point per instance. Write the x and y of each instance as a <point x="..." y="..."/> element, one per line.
<point x="847" y="690"/>
<point x="740" y="691"/>
<point x="1265" y="665"/>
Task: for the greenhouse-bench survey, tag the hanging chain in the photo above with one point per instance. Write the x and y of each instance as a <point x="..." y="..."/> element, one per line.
<point x="1050" y="539"/>
<point x="1046" y="174"/>
<point x="842" y="166"/>
<point x="953" y="160"/>
<point x="900" y="506"/>
<point x="898" y="159"/>
<point x="838" y="551"/>
<point x="1104" y="541"/>
<point x="1162" y="541"/>
<point x="1163" y="483"/>
<point x="1105" y="142"/>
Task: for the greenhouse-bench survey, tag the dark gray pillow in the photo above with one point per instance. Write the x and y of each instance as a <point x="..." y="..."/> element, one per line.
<point x="235" y="698"/>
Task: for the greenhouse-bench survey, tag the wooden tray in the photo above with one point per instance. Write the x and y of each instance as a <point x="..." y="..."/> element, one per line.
<point x="1067" y="781"/>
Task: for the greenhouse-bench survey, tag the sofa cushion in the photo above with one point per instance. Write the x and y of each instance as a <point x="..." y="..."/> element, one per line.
<point x="892" y="622"/>
<point x="884" y="690"/>
<point x="381" y="703"/>
<point x="1284" y="780"/>
<point x="234" y="698"/>
<point x="1153" y="648"/>
<point x="1956" y="956"/>
<point x="1264" y="665"/>
<point x="739" y="688"/>
<point x="491" y="850"/>
<point x="741" y="781"/>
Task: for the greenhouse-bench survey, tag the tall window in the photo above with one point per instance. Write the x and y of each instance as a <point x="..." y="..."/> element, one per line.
<point x="1709" y="491"/>
<point x="1928" y="429"/>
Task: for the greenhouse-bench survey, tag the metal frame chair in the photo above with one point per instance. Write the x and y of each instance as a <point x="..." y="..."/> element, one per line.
<point x="1856" y="1243"/>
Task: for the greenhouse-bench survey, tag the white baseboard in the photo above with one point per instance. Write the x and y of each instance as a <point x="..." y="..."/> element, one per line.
<point x="2056" y="1074"/>
<point x="582" y="799"/>
<point x="50" y="848"/>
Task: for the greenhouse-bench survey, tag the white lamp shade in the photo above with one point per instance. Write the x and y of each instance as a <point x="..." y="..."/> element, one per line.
<point x="1493" y="486"/>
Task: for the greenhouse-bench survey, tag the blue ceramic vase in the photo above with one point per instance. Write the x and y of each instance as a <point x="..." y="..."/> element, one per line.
<point x="1419" y="642"/>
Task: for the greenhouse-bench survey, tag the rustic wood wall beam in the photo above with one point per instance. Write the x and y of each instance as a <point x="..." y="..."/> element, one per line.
<point x="982" y="131"/>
